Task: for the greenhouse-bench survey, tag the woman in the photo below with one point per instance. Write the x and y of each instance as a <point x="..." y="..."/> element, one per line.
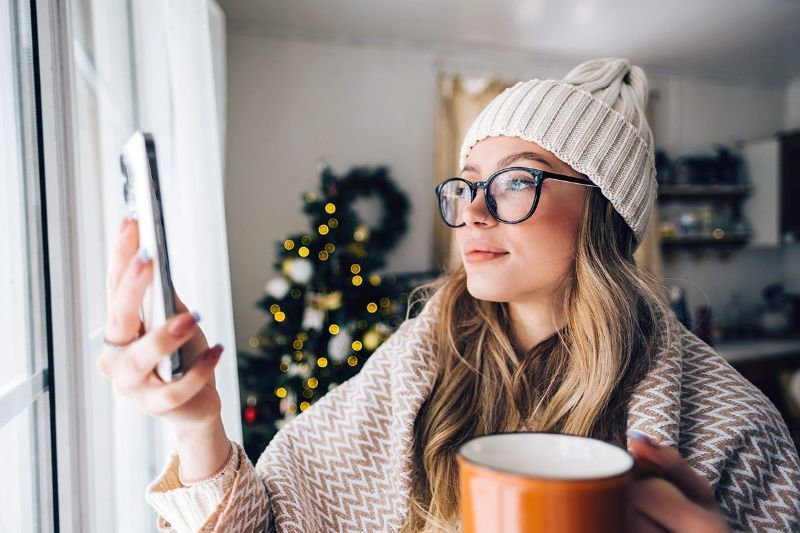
<point x="547" y="325"/>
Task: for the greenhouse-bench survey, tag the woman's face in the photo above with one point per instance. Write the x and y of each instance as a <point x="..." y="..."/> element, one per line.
<point x="539" y="250"/>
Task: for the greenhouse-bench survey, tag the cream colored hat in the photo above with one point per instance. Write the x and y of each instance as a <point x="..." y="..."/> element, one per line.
<point x="593" y="120"/>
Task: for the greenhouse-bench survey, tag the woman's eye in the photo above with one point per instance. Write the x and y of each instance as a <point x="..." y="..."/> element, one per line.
<point x="520" y="185"/>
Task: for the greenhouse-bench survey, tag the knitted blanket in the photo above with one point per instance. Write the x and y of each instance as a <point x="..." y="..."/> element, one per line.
<point x="345" y="464"/>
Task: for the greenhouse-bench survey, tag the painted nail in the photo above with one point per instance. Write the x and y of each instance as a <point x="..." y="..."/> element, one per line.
<point x="641" y="437"/>
<point x="214" y="353"/>
<point x="182" y="325"/>
<point x="139" y="260"/>
<point x="131" y="214"/>
<point x="196" y="316"/>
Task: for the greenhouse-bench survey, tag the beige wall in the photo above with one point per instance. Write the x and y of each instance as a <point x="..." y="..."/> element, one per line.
<point x="291" y="102"/>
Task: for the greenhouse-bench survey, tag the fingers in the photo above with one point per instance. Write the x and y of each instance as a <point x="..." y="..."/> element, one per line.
<point x="656" y="501"/>
<point x="641" y="523"/>
<point x="151" y="349"/>
<point x="122" y="321"/>
<point x="179" y="305"/>
<point x="126" y="245"/>
<point x="132" y="368"/>
<point x="167" y="397"/>
<point x="669" y="461"/>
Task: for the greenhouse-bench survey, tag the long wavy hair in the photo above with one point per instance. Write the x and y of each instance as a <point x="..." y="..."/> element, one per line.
<point x="577" y="381"/>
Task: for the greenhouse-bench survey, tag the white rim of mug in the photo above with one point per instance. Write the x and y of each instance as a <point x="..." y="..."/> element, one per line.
<point x="542" y="477"/>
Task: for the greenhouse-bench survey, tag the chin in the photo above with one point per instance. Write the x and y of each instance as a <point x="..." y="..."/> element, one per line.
<point x="486" y="289"/>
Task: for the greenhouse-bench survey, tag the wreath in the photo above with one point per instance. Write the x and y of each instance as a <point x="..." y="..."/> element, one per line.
<point x="365" y="181"/>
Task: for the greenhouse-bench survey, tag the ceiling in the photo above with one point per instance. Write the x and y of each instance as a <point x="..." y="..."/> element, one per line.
<point x="753" y="41"/>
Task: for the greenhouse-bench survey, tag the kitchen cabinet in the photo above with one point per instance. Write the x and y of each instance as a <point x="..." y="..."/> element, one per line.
<point x="773" y="167"/>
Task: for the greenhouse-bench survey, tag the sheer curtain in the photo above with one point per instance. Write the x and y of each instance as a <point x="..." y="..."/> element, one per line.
<point x="156" y="66"/>
<point x="181" y="83"/>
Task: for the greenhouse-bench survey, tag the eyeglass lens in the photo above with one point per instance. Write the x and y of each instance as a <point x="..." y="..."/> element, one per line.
<point x="511" y="196"/>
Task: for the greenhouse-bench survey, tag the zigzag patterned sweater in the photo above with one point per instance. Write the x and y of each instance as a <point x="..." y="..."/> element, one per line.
<point x="345" y="464"/>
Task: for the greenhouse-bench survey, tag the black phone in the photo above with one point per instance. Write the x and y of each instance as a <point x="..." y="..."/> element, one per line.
<point x="140" y="188"/>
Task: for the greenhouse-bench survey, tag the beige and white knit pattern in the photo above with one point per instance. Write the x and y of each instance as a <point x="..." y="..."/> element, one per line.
<point x="345" y="465"/>
<point x="189" y="505"/>
<point x="593" y="120"/>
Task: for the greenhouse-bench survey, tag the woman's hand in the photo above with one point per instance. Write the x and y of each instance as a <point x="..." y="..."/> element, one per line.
<point x="190" y="401"/>
<point x="667" y="495"/>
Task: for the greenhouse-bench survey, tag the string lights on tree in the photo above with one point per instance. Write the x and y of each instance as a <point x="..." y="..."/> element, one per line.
<point x="327" y="308"/>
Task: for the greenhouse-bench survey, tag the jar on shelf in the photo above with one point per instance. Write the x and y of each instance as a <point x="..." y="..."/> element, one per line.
<point x="689" y="223"/>
<point x="734" y="316"/>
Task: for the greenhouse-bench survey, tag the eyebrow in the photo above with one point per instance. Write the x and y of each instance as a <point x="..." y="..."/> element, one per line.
<point x="507" y="160"/>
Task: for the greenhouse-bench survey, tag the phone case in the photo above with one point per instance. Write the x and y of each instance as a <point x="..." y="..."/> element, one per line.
<point x="143" y="197"/>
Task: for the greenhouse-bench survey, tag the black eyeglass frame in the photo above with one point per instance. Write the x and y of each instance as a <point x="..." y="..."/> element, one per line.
<point x="539" y="176"/>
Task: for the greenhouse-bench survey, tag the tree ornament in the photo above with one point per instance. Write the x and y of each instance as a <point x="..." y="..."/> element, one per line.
<point x="339" y="345"/>
<point x="362" y="233"/>
<point x="371" y="339"/>
<point x="304" y="370"/>
<point x="326" y="302"/>
<point x="313" y="318"/>
<point x="299" y="270"/>
<point x="288" y="402"/>
<point x="277" y="287"/>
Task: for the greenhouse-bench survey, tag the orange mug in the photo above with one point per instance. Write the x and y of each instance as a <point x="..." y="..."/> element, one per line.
<point x="530" y="482"/>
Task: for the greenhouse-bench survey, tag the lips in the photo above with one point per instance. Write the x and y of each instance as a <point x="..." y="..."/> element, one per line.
<point x="482" y="246"/>
<point x="479" y="251"/>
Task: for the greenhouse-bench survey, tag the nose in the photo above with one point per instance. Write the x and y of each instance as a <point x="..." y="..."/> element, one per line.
<point x="477" y="212"/>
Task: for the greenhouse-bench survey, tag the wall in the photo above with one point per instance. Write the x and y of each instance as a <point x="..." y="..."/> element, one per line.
<point x="793" y="104"/>
<point x="292" y="102"/>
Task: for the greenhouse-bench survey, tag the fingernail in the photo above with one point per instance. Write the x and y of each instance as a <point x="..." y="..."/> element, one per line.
<point x="196" y="316"/>
<point x="131" y="214"/>
<point x="641" y="437"/>
<point x="214" y="353"/>
<point x="139" y="260"/>
<point x="182" y="325"/>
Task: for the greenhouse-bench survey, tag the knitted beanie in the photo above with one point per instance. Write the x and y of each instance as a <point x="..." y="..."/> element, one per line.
<point x="593" y="120"/>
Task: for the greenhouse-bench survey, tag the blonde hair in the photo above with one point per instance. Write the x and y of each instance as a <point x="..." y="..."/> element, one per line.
<point x="576" y="381"/>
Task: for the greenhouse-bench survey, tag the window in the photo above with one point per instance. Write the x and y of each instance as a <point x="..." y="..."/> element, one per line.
<point x="25" y="437"/>
<point x="75" y="456"/>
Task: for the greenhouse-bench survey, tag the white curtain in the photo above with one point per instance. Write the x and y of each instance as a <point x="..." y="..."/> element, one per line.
<point x="180" y="63"/>
<point x="157" y="65"/>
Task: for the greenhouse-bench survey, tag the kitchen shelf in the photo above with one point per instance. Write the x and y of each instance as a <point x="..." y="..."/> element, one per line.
<point x="729" y="238"/>
<point x="703" y="190"/>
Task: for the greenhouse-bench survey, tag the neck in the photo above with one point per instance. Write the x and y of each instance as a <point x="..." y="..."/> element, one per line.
<point x="537" y="318"/>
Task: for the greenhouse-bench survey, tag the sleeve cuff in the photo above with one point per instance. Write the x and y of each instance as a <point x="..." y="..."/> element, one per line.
<point x="187" y="506"/>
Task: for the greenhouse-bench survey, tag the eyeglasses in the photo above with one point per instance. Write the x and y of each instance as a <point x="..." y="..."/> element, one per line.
<point x="511" y="194"/>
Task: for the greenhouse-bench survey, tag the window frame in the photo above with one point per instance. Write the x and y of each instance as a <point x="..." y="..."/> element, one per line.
<point x="53" y="45"/>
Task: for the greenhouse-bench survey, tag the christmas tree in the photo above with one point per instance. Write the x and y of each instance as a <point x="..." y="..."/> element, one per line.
<point x="327" y="308"/>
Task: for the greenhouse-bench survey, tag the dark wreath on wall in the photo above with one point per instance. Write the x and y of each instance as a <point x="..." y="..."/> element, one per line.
<point x="366" y="181"/>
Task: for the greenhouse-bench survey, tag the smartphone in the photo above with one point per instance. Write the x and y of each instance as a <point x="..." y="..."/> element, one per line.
<point x="140" y="188"/>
